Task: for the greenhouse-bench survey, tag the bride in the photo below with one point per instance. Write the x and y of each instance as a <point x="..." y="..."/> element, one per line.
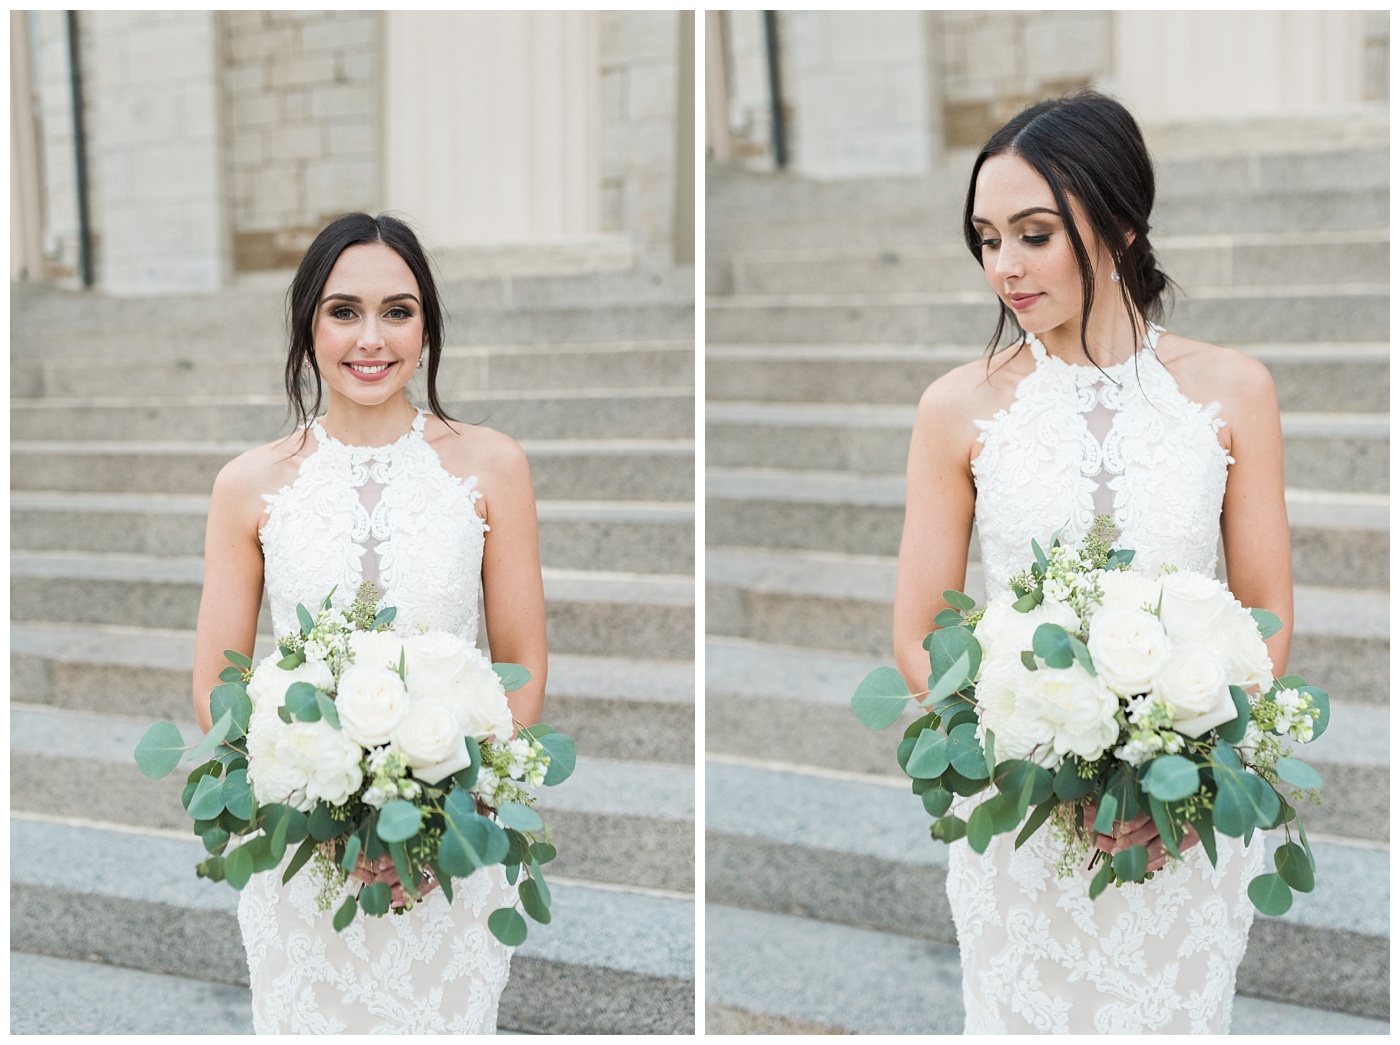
<point x="373" y="490"/>
<point x="1092" y="409"/>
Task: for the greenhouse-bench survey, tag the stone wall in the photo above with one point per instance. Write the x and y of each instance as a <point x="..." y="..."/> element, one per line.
<point x="639" y="89"/>
<point x="301" y="96"/>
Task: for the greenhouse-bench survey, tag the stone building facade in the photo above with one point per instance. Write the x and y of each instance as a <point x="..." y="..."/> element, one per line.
<point x="894" y="92"/>
<point x="218" y="142"/>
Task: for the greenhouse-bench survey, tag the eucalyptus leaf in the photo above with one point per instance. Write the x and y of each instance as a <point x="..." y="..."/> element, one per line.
<point x="207" y="802"/>
<point x="959" y="600"/>
<point x="533" y="901"/>
<point x="305" y="619"/>
<point x="880" y="698"/>
<point x="1130" y="865"/>
<point x="231" y="674"/>
<point x="1323" y="703"/>
<point x="945" y="646"/>
<point x="1069" y="785"/>
<point x="1171" y="778"/>
<point x="238" y="866"/>
<point x="1028" y="660"/>
<point x="238" y="794"/>
<point x="562" y="758"/>
<point x="1294" y="867"/>
<point x="1270" y="894"/>
<point x="344" y="914"/>
<point x="948" y="829"/>
<point x="923" y="722"/>
<point x="542" y="852"/>
<point x="238" y="660"/>
<point x="1267" y="623"/>
<point x="301" y="702"/>
<point x="1051" y="644"/>
<point x="1039" y="816"/>
<point x="299" y="858"/>
<point x="937" y="801"/>
<point x="1101" y="880"/>
<point x="216" y="735"/>
<point x="383" y="617"/>
<point x="1107" y="814"/>
<point x="375" y="898"/>
<point x="512" y="676"/>
<point x="292" y="660"/>
<point x="1081" y="654"/>
<point x="232" y="697"/>
<point x="351" y="856"/>
<point x="508" y="926"/>
<point x="215" y="839"/>
<point x="160" y="750"/>
<point x="929" y="757"/>
<point x="1232" y="732"/>
<point x="947" y="618"/>
<point x="398" y="821"/>
<point x="979" y="828"/>
<point x="1013" y="775"/>
<point x="327" y="707"/>
<point x="965" y="753"/>
<point x="1299" y="774"/>
<point x="520" y="817"/>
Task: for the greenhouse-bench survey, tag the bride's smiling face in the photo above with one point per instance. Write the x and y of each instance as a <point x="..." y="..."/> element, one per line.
<point x="1026" y="253"/>
<point x="368" y="331"/>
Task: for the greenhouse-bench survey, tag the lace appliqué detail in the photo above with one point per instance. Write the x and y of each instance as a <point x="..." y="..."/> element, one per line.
<point x="1037" y="954"/>
<point x="395" y="514"/>
<point x="423" y="534"/>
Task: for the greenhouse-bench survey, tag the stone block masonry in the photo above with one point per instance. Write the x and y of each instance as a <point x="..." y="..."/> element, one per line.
<point x="301" y="100"/>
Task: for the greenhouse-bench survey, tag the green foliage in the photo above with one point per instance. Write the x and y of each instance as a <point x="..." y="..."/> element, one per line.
<point x="1014" y="775"/>
<point x="469" y="840"/>
<point x="542" y="852"/>
<point x="959" y="601"/>
<point x="305" y="619"/>
<point x="232" y="697"/>
<point x="936" y="801"/>
<point x="1299" y="774"/>
<point x="1294" y="866"/>
<point x="1039" y="816"/>
<point x="375" y="898"/>
<point x="1323" y="703"/>
<point x="946" y="645"/>
<point x="1069" y="785"/>
<point x="301" y="702"/>
<point x="398" y="821"/>
<point x="1051" y="644"/>
<point x="207" y="802"/>
<point x="298" y="861"/>
<point x="1232" y="732"/>
<point x="1130" y="865"/>
<point x="238" y="866"/>
<point x="351" y="856"/>
<point x="880" y="698"/>
<point x="160" y="750"/>
<point x="508" y="926"/>
<point x="929" y="756"/>
<point x="957" y="676"/>
<point x="383" y="618"/>
<point x="1266" y="622"/>
<point x="562" y="758"/>
<point x="1171" y="778"/>
<point x="512" y="676"/>
<point x="533" y="900"/>
<point x="1101" y="880"/>
<point x="238" y="660"/>
<point x="326" y="706"/>
<point x="292" y="660"/>
<point x="947" y="618"/>
<point x="1243" y="802"/>
<point x="1270" y="894"/>
<point x="345" y="914"/>
<point x="948" y="828"/>
<point x="237" y="796"/>
<point x="1108" y="812"/>
<point x="520" y="817"/>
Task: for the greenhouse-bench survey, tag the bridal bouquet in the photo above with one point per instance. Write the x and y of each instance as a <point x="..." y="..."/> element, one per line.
<point x="353" y="741"/>
<point x="1093" y="688"/>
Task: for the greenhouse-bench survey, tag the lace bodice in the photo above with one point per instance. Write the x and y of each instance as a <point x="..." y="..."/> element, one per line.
<point x="391" y="514"/>
<point x="1037" y="954"/>
<point x="1077" y="441"/>
<point x="394" y="515"/>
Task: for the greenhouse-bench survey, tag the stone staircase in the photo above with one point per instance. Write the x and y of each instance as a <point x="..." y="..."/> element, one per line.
<point x="122" y="412"/>
<point x="831" y="306"/>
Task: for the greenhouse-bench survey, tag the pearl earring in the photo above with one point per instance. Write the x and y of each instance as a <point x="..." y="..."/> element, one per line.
<point x="1115" y="277"/>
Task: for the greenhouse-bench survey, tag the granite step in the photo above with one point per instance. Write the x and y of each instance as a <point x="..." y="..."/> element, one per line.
<point x="79" y="765"/>
<point x="613" y="961"/>
<point x="1338" y="377"/>
<point x="614" y="708"/>
<point x="771" y="973"/>
<point x="562" y="469"/>
<point x="1347" y="452"/>
<point x="794" y="705"/>
<point x="577" y="413"/>
<point x="632" y="537"/>
<point x="1319" y="258"/>
<point x="1341" y="540"/>
<point x="829" y="601"/>
<point x="588" y="612"/>
<point x="466" y="369"/>
<point x="1278" y="312"/>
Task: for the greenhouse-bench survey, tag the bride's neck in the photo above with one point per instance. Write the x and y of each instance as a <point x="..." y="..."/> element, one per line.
<point x="1111" y="336"/>
<point x="358" y="425"/>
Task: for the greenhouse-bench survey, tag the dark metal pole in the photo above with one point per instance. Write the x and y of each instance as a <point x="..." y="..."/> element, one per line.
<point x="775" y="89"/>
<point x="80" y="152"/>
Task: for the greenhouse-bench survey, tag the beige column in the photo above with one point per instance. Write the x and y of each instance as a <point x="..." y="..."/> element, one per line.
<point x="491" y="125"/>
<point x="26" y="217"/>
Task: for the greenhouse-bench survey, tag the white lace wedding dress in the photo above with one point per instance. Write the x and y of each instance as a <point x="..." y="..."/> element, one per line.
<point x="395" y="516"/>
<point x="1038" y="956"/>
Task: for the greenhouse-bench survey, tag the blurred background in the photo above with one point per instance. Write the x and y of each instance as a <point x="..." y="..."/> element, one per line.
<point x="167" y="171"/>
<point x="839" y="146"/>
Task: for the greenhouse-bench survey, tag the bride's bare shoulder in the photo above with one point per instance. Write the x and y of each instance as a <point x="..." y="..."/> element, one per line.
<point x="241" y="482"/>
<point x="1212" y="373"/>
<point x="976" y="390"/>
<point x="475" y="450"/>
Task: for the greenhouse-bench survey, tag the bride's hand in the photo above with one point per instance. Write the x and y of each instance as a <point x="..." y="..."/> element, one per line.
<point x="1140" y="830"/>
<point x="382" y="870"/>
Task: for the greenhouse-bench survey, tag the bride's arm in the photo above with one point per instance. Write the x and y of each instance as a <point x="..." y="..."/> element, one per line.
<point x="938" y="503"/>
<point x="233" y="578"/>
<point x="1254" y="518"/>
<point x="510" y="573"/>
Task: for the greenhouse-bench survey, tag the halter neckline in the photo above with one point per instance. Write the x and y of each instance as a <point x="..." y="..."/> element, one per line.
<point x="1149" y="347"/>
<point x="415" y="429"/>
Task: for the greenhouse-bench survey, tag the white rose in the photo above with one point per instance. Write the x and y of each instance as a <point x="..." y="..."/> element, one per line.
<point x="1127" y="647"/>
<point x="478" y="699"/>
<point x="273" y="777"/>
<point x="268" y="687"/>
<point x="1079" y="708"/>
<point x="1018" y="734"/>
<point x="1192" y="605"/>
<point x="329" y="758"/>
<point x="1004" y="632"/>
<point x="1194" y="685"/>
<point x="1241" y="650"/>
<point x="1128" y="589"/>
<point x="379" y="649"/>
<point x="371" y="701"/>
<point x="427" y="734"/>
<point x="435" y="662"/>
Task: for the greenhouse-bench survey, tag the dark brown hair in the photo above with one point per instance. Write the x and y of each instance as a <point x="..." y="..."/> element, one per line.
<point x="1089" y="147"/>
<point x="303" y="381"/>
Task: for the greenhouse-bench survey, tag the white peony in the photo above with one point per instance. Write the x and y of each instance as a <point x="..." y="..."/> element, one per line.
<point x="1004" y="632"/>
<point x="1128" y="589"/>
<point x="430" y="740"/>
<point x="1192" y="605"/>
<point x="1194" y="685"/>
<point x="1128" y="648"/>
<point x="1018" y="734"/>
<point x="327" y="756"/>
<point x="1241" y="650"/>
<point x="268" y="687"/>
<point x="371" y="702"/>
<point x="379" y="649"/>
<point x="274" y="778"/>
<point x="1079" y="708"/>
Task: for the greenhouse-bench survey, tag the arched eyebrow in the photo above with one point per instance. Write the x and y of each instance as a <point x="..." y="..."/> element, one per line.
<point x="1019" y="215"/>
<point x="357" y="300"/>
